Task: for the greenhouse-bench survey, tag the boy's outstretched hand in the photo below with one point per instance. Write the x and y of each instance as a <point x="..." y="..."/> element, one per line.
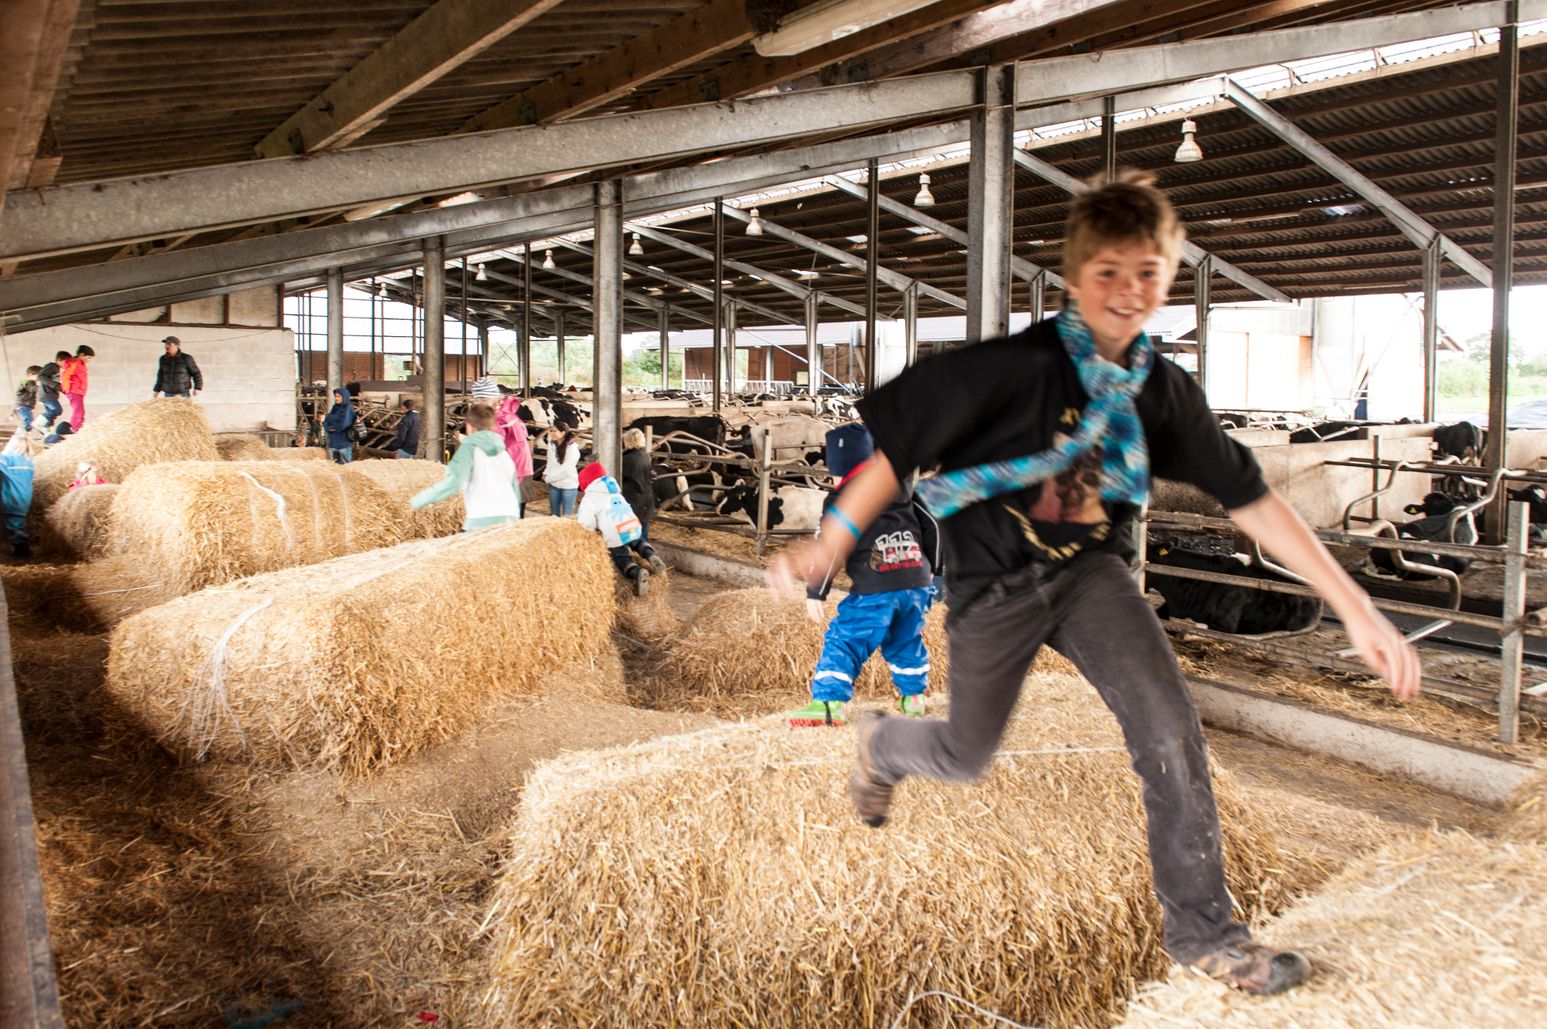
<point x="796" y="566"/>
<point x="1383" y="648"/>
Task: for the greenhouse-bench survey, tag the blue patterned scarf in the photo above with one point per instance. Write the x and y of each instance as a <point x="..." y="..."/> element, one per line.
<point x="1110" y="421"/>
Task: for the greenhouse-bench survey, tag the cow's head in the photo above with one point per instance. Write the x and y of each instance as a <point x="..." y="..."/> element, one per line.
<point x="739" y="497"/>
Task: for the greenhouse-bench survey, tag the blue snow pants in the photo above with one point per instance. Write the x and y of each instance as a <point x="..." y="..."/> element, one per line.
<point x="892" y="621"/>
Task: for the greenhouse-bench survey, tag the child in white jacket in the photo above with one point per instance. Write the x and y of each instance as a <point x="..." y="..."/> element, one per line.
<point x="482" y="472"/>
<point x="603" y="510"/>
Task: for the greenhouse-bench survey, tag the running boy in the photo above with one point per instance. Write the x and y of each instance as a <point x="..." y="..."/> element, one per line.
<point x="603" y="510"/>
<point x="27" y="397"/>
<point x="889" y="594"/>
<point x="1046" y="443"/>
<point x="482" y="472"/>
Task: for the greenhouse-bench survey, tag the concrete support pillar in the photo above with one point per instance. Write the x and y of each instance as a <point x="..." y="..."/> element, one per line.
<point x="872" y="267"/>
<point x="716" y="351"/>
<point x="991" y="191"/>
<point x="433" y="439"/>
<point x="813" y="345"/>
<point x="1431" y="328"/>
<point x="559" y="340"/>
<point x="607" y="327"/>
<point x="335" y="331"/>
<point x="1506" y="116"/>
<point x="1038" y="298"/>
<point x="730" y="346"/>
<point x="524" y="344"/>
<point x="910" y="325"/>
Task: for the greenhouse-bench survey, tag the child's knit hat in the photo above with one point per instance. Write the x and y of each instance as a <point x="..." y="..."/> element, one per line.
<point x="848" y="447"/>
<point x="590" y="473"/>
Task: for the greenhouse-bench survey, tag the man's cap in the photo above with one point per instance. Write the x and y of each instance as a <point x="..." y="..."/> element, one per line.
<point x="173" y="339"/>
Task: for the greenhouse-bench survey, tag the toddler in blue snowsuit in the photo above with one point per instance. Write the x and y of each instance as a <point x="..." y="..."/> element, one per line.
<point x="891" y="576"/>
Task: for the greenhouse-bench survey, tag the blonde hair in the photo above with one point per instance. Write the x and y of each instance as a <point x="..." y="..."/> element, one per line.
<point x="1127" y="209"/>
<point x="23" y="444"/>
<point x="633" y="438"/>
<point x="480" y="417"/>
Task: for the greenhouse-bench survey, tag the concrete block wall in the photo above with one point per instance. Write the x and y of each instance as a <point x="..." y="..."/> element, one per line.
<point x="249" y="373"/>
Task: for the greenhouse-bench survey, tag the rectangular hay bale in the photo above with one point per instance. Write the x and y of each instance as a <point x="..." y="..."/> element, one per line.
<point x="205" y="522"/>
<point x="721" y="878"/>
<point x="363" y="660"/>
<point x="402" y="479"/>
<point x="120" y="441"/>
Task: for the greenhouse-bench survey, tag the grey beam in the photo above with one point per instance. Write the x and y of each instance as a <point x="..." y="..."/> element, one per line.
<point x="896" y="280"/>
<point x="1191" y="252"/>
<point x="90" y="215"/>
<point x="1419" y="232"/>
<point x="1019" y="265"/>
<point x="776" y="281"/>
<point x="82" y="217"/>
<point x="335" y="331"/>
<point x="1431" y="328"/>
<point x="990" y="206"/>
<point x="607" y="327"/>
<point x="434" y="438"/>
<point x="697" y="289"/>
<point x="1505" y="149"/>
<point x="813" y="346"/>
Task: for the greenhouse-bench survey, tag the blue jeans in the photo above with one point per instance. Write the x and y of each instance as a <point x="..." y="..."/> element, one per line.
<point x="184" y="394"/>
<point x="24" y="415"/>
<point x="562" y="502"/>
<point x="893" y="621"/>
<point x="342" y="456"/>
<point x="406" y="455"/>
<point x="52" y="409"/>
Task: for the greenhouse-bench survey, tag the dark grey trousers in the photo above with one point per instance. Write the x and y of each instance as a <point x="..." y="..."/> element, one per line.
<point x="1093" y="614"/>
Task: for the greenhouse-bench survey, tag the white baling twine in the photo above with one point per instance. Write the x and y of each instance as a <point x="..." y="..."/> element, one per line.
<point x="279" y="504"/>
<point x="203" y="709"/>
<point x="915" y="998"/>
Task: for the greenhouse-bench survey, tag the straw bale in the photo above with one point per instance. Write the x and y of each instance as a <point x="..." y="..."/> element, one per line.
<point x="721" y="878"/>
<point x="79" y="525"/>
<point x="84" y="598"/>
<point x="748" y="651"/>
<point x="650" y="618"/>
<point x="1445" y="930"/>
<point x="360" y="661"/>
<point x="120" y="441"/>
<point x="241" y="446"/>
<point x="402" y="479"/>
<point x="1526" y="819"/>
<point x="205" y="522"/>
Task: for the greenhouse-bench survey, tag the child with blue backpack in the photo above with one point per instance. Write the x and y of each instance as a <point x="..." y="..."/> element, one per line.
<point x="891" y="588"/>
<point x="603" y="510"/>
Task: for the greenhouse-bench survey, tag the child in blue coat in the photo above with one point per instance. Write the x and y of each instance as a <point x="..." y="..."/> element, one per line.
<point x="16" y="473"/>
<point x="891" y="589"/>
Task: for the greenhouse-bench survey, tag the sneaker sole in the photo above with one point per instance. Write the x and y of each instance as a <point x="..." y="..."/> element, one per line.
<point x="812" y="723"/>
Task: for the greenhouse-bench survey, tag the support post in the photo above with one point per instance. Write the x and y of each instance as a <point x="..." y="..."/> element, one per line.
<point x="1513" y="614"/>
<point x="524" y="344"/>
<point x="910" y="326"/>
<point x="1507" y="112"/>
<point x="1109" y="137"/>
<point x="813" y="345"/>
<point x="991" y="186"/>
<point x="663" y="320"/>
<point x="715" y="370"/>
<point x="1431" y="328"/>
<point x="335" y="332"/>
<point x="462" y="360"/>
<point x="1037" y="304"/>
<point x="872" y="266"/>
<point x="730" y="346"/>
<point x="434" y="438"/>
<point x="371" y="374"/>
<point x="559" y="318"/>
<point x="1203" y="273"/>
<point x="607" y="327"/>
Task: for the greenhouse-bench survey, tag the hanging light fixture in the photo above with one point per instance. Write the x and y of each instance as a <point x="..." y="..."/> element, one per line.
<point x="636" y="249"/>
<point x="755" y="226"/>
<point x="381" y="290"/>
<point x="924" y="198"/>
<point x="483" y="274"/>
<point x="548" y="260"/>
<point x="1189" y="151"/>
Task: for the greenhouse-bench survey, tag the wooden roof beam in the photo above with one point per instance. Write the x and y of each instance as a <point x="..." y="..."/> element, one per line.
<point x="33" y="37"/>
<point x="436" y="42"/>
<point x="684" y="41"/>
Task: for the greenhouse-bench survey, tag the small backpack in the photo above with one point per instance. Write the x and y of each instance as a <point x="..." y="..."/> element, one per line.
<point x="624" y="521"/>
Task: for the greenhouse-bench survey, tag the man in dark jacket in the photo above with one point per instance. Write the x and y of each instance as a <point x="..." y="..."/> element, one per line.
<point x="407" y="441"/>
<point x="177" y="373"/>
<point x="48" y="390"/>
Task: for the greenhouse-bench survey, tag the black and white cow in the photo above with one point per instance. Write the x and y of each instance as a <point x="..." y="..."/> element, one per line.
<point x="789" y="507"/>
<point x="1224" y="608"/>
<point x="545" y="412"/>
<point x="1462" y="440"/>
<point x="1432" y="525"/>
<point x="668" y="485"/>
<point x="1329" y="431"/>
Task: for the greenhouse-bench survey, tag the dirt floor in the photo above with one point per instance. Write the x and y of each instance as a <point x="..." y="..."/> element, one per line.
<point x="208" y="895"/>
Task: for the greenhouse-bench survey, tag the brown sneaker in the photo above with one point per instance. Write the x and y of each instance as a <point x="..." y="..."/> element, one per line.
<point x="872" y="797"/>
<point x="1255" y="968"/>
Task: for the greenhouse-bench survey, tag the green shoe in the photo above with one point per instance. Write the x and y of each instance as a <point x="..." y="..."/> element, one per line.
<point x="818" y="712"/>
<point x="912" y="705"/>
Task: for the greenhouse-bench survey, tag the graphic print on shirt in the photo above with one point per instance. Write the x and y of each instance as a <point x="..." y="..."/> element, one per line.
<point x="1068" y="508"/>
<point x="894" y="551"/>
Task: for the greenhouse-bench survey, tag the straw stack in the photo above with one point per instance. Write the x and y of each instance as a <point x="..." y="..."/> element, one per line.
<point x="120" y="441"/>
<point x="83" y="598"/>
<point x="650" y="618"/>
<point x="242" y="446"/>
<point x="1526" y="819"/>
<point x="402" y="479"/>
<point x="1446" y="930"/>
<point x="721" y="878"/>
<point x="79" y="525"/>
<point x="363" y="660"/>
<point x="204" y="522"/>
